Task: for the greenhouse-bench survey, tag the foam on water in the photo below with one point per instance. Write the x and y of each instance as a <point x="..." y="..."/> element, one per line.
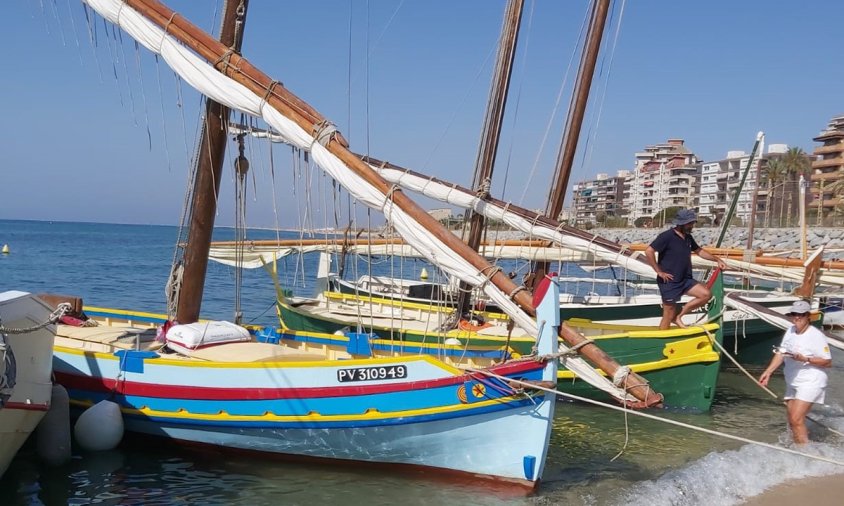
<point x="733" y="476"/>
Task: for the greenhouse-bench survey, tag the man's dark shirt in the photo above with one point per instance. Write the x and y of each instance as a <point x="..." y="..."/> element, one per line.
<point x="674" y="254"/>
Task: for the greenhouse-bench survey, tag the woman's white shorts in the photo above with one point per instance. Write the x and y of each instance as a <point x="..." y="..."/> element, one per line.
<point x="805" y="393"/>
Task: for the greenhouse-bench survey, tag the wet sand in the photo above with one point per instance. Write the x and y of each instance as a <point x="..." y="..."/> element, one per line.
<point x="821" y="491"/>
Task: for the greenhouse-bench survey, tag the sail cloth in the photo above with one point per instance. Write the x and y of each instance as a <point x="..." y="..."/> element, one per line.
<point x="253" y="256"/>
<point x="224" y="90"/>
<point x="546" y="229"/>
<point x="535" y="229"/>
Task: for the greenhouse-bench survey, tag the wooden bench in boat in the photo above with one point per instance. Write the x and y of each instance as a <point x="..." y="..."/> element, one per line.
<point x="251" y="352"/>
<point x="130" y="338"/>
<point x="124" y="338"/>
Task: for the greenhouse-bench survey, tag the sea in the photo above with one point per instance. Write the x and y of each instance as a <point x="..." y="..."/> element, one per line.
<point x="597" y="455"/>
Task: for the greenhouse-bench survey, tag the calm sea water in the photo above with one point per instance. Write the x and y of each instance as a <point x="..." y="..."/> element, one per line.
<point x="126" y="266"/>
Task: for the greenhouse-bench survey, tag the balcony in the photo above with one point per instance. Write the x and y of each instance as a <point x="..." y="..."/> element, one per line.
<point x="829" y="162"/>
<point x="832" y="148"/>
<point x="828" y="177"/>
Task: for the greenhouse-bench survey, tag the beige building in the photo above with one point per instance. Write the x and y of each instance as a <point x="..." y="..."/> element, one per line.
<point x="665" y="176"/>
<point x="827" y="168"/>
<point x="441" y="214"/>
<point x="598" y="198"/>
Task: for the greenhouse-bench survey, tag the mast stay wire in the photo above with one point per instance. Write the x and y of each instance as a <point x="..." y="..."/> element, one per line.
<point x="581" y="39"/>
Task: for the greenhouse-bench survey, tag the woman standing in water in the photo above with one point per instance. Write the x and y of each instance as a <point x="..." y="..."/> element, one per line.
<point x="805" y="352"/>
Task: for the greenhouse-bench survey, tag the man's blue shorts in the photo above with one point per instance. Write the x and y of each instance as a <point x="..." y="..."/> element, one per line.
<point x="671" y="291"/>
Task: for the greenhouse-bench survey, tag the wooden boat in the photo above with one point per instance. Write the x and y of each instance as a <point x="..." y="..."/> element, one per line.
<point x="409" y="410"/>
<point x="412" y="410"/>
<point x="25" y="384"/>
<point x="682" y="364"/>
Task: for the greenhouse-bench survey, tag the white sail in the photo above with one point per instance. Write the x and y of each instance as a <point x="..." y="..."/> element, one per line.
<point x="224" y="90"/>
<point x="252" y="256"/>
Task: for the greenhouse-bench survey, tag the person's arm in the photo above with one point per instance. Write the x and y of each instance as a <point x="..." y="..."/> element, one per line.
<point x="819" y="351"/>
<point x="650" y="254"/>
<point x="815" y="361"/>
<point x="702" y="253"/>
<point x="776" y="361"/>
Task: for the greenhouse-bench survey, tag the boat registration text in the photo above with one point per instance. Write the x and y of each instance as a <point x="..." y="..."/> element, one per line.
<point x="372" y="373"/>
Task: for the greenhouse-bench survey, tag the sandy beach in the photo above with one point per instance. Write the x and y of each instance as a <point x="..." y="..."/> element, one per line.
<point x="818" y="491"/>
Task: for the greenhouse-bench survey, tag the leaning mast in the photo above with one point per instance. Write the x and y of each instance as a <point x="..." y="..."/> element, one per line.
<point x="491" y="134"/>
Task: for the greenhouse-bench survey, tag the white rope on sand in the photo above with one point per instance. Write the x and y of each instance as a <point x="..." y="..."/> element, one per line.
<point x="653" y="417"/>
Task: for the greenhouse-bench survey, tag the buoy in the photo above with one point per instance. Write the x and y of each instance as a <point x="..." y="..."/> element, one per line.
<point x="100" y="427"/>
<point x="423" y="274"/>
<point x="5" y="249"/>
<point x="52" y="437"/>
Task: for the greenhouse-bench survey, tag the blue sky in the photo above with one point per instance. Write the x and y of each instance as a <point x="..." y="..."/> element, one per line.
<point x="407" y="82"/>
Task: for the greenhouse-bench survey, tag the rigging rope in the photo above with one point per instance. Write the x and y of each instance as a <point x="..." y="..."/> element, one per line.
<point x="657" y="418"/>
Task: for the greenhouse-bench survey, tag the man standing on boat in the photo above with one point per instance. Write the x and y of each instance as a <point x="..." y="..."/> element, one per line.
<point x="805" y="351"/>
<point x="674" y="268"/>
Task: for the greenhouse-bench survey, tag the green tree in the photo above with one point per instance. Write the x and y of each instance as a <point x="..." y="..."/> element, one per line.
<point x="665" y="216"/>
<point x="796" y="163"/>
<point x="776" y="171"/>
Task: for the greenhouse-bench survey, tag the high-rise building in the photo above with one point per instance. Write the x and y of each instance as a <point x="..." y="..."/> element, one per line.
<point x="665" y="176"/>
<point x="598" y="198"/>
<point x="827" y="168"/>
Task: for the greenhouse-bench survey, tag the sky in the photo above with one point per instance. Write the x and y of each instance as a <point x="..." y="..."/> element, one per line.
<point x="103" y="132"/>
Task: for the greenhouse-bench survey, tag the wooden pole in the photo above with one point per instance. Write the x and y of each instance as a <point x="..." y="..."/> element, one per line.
<point x="209" y="170"/>
<point x="488" y="148"/>
<point x="574" y="120"/>
<point x="577" y="108"/>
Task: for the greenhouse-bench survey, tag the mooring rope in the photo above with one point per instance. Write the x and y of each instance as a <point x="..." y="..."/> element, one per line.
<point x="60" y="311"/>
<point x="664" y="420"/>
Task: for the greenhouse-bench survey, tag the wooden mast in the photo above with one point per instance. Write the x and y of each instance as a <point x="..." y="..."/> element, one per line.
<point x="240" y="70"/>
<point x="209" y="170"/>
<point x="491" y="134"/>
<point x="574" y="120"/>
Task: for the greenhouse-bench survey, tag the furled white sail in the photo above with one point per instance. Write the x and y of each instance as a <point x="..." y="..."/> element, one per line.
<point x="253" y="256"/>
<point x="535" y="229"/>
<point x="224" y="90"/>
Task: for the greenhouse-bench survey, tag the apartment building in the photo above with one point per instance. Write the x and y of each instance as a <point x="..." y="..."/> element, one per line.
<point x="597" y="197"/>
<point x="665" y="176"/>
<point x="827" y="168"/>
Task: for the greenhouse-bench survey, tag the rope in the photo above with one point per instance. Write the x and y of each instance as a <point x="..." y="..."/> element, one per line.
<point x="324" y="132"/>
<point x="516" y="290"/>
<point x="664" y="420"/>
<point x="484" y="188"/>
<point x="488" y="272"/>
<point x="164" y="33"/>
<point x="60" y="311"/>
<point x="574" y="350"/>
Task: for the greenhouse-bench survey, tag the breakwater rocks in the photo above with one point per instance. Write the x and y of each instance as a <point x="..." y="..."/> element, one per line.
<point x="736" y="237"/>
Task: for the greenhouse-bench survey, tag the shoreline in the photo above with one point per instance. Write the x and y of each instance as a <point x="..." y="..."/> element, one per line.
<point x="819" y="490"/>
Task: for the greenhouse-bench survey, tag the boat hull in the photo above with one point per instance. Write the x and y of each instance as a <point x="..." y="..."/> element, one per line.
<point x="30" y="393"/>
<point x="680" y="364"/>
<point x="434" y="416"/>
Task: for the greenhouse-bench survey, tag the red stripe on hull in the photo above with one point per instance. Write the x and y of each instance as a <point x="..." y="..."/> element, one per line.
<point x="79" y="382"/>
<point x="26" y="407"/>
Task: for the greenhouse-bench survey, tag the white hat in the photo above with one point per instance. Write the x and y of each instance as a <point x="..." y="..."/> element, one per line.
<point x="799" y="307"/>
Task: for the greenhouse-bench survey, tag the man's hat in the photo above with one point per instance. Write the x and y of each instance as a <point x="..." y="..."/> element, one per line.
<point x="799" y="307"/>
<point x="684" y="216"/>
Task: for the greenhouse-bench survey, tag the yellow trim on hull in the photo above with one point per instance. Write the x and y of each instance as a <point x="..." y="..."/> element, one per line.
<point x="370" y="414"/>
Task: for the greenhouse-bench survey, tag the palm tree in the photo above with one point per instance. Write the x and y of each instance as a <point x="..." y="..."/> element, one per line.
<point x="776" y="174"/>
<point x="836" y="191"/>
<point x="797" y="163"/>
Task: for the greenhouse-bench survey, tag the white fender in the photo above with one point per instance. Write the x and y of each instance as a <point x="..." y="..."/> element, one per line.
<point x="100" y="427"/>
